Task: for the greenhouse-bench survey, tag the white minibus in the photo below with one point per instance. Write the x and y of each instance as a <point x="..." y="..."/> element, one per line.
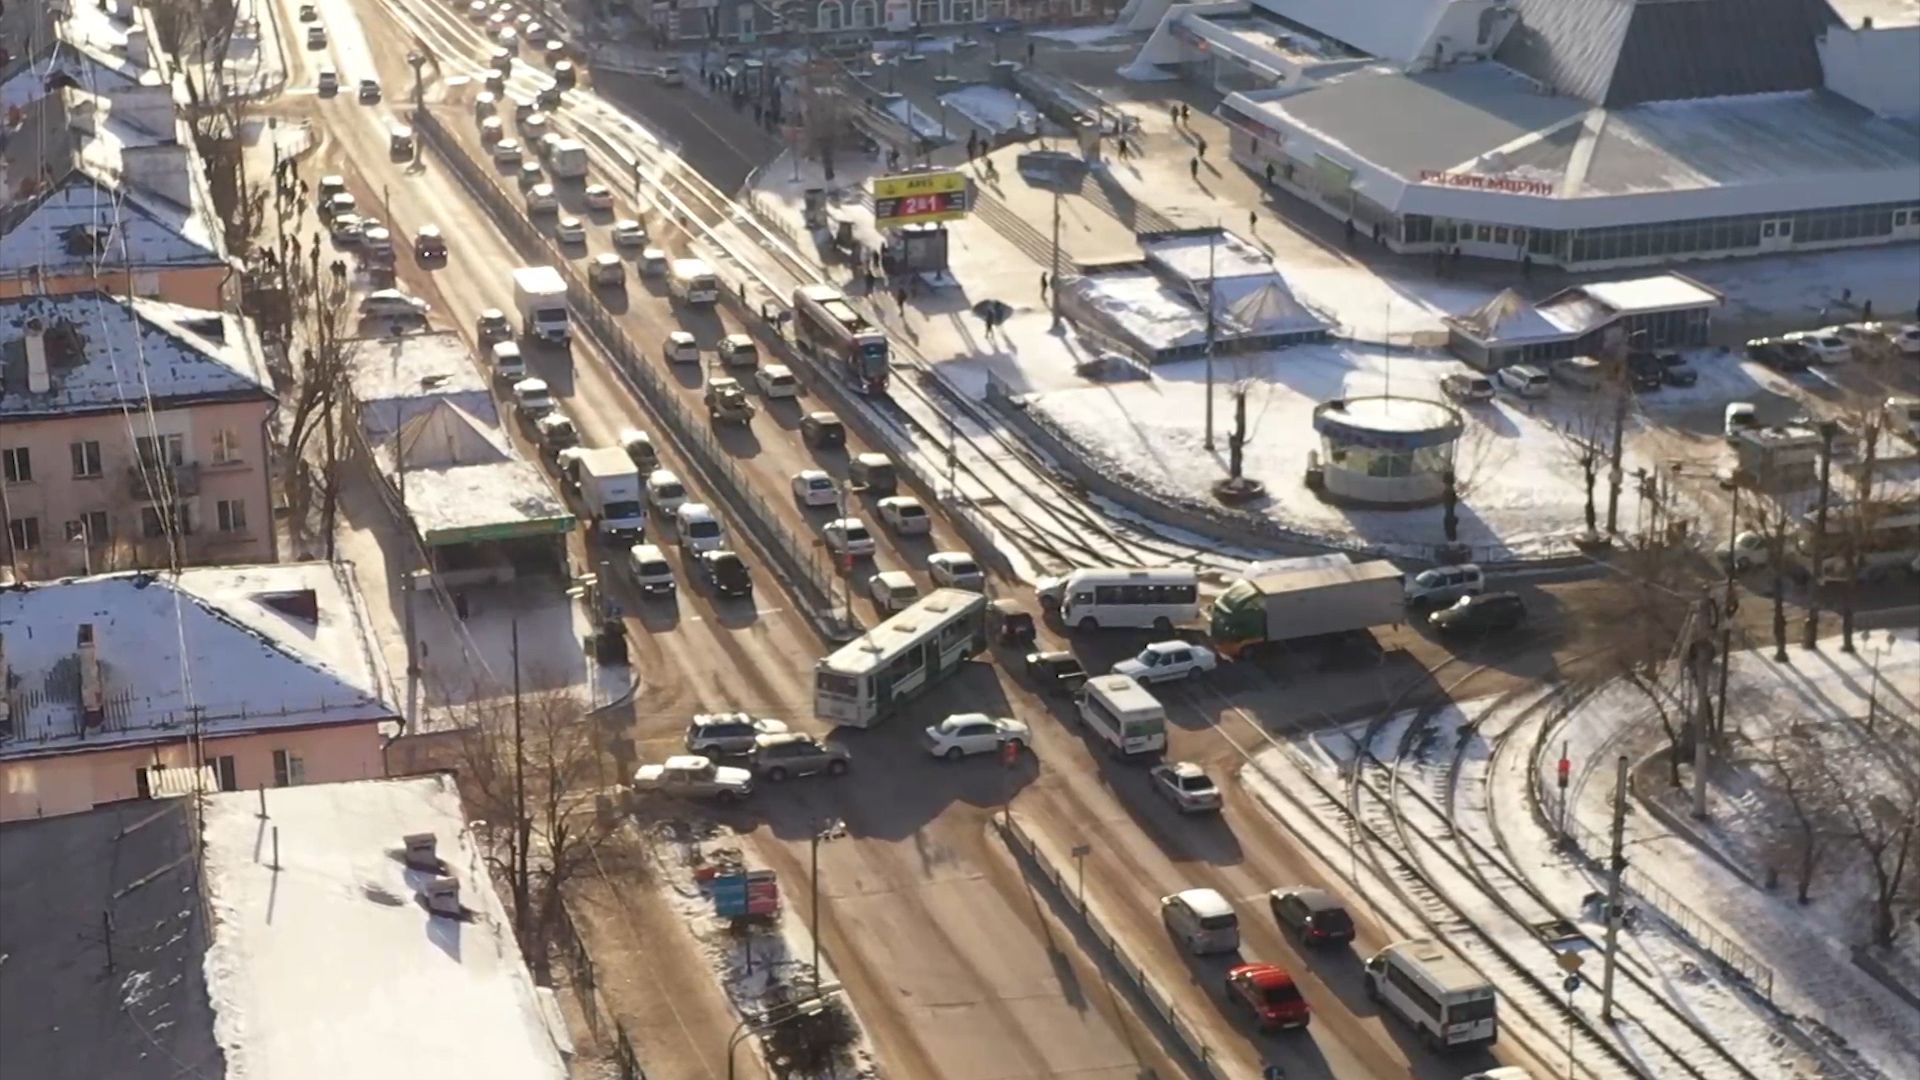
<point x="1158" y="598"/>
<point x="1435" y="991"/>
<point x="1124" y="715"/>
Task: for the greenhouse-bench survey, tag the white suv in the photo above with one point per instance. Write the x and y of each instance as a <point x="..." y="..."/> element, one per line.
<point x="1524" y="379"/>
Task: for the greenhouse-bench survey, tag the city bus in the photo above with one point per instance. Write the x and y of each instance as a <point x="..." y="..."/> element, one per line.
<point x="1889" y="537"/>
<point x="864" y="681"/>
<point x="826" y="325"/>
<point x="1122" y="714"/>
<point x="1436" y="992"/>
<point x="1157" y="598"/>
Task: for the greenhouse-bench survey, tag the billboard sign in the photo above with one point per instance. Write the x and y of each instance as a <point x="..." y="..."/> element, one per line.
<point x="919" y="197"/>
<point x="745" y="894"/>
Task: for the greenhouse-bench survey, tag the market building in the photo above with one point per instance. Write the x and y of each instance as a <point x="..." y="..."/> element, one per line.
<point x="1576" y="133"/>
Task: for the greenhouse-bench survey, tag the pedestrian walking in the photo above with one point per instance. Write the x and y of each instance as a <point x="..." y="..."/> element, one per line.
<point x="1269" y="174"/>
<point x="1186" y="114"/>
<point x="900" y="298"/>
<point x="1193" y="169"/>
<point x="1526" y="266"/>
<point x="1043" y="285"/>
<point x="1029" y="54"/>
<point x="1200" y="145"/>
<point x="1173" y="113"/>
<point x="1866" y="310"/>
<point x="1253" y="221"/>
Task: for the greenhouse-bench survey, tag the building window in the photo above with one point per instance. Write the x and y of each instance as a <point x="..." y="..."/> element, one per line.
<point x="25" y="533"/>
<point x="18" y="461"/>
<point x="226" y="446"/>
<point x="233" y="515"/>
<point x="829" y="17"/>
<point x="929" y="12"/>
<point x="288" y="769"/>
<point x="155" y="523"/>
<point x="160" y="450"/>
<point x="86" y="459"/>
<point x="90" y="529"/>
<point x="229" y="777"/>
<point x="863" y="14"/>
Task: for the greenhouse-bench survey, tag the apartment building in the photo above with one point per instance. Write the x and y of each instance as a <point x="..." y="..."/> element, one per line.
<point x="132" y="433"/>
<point x="139" y="685"/>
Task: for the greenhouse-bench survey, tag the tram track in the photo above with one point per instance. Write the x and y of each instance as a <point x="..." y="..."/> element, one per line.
<point x="1021" y="495"/>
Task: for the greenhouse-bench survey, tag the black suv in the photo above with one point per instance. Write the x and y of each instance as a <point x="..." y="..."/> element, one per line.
<point x="1057" y="672"/>
<point x="1780" y="355"/>
<point x="726" y="573"/>
<point x="822" y="429"/>
<point x="1645" y="372"/>
<point x="1313" y="914"/>
<point x="1675" y="369"/>
<point x="1481" y="614"/>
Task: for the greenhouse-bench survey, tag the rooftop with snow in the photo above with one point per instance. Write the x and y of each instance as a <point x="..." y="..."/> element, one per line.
<point x="102" y="352"/>
<point x="132" y="657"/>
<point x="464" y="479"/>
<point x="96" y="46"/>
<point x="105" y="177"/>
<point x="328" y="963"/>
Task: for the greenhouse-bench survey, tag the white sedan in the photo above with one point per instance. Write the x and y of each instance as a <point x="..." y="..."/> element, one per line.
<point x="777" y="381"/>
<point x="904" y="515"/>
<point x="815" y="488"/>
<point x="974" y="733"/>
<point x="1827" y="346"/>
<point x="393" y="304"/>
<point x="569" y="230"/>
<point x="1166" y="660"/>
<point x="598" y="197"/>
<point x="848" y="536"/>
<point x="956" y="570"/>
<point x="628" y="233"/>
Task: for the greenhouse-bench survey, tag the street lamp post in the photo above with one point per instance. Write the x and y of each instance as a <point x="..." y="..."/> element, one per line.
<point x="774" y="1017"/>
<point x="823" y="830"/>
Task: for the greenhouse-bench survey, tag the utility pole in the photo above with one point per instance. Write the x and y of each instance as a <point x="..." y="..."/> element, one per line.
<point x="1828" y="429"/>
<point x="1615" y="478"/>
<point x="1617" y="867"/>
<point x="1054" y="269"/>
<point x="1211" y="238"/>
<point x="1728" y="604"/>
<point x="522" y="828"/>
<point x="1699" y="655"/>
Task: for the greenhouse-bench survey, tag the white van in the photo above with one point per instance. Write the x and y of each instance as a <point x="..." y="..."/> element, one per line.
<point x="893" y="590"/>
<point x="1124" y="715"/>
<point x="1436" y="992"/>
<point x="1740" y="416"/>
<point x="699" y="529"/>
<point x="508" y="365"/>
<point x="1442" y="585"/>
<point x="1158" y="598"/>
<point x="1524" y="379"/>
<point x="650" y="569"/>
<point x="1201" y="920"/>
<point x="691" y="281"/>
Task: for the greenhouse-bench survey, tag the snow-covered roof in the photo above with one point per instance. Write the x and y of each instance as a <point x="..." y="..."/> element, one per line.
<point x="87" y="47"/>
<point x="1508" y="318"/>
<point x="327" y="964"/>
<point x="1393" y="29"/>
<point x="1656" y="292"/>
<point x="499" y="500"/>
<point x="1196" y="255"/>
<point x="1480" y="142"/>
<point x="89" y="178"/>
<point x="105" y="351"/>
<point x="250" y="647"/>
<point x="404" y="375"/>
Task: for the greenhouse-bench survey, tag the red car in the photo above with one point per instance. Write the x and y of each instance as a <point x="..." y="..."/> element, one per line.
<point x="1269" y="992"/>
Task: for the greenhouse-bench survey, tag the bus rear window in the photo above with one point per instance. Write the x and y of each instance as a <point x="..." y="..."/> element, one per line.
<point x="1467" y="1012"/>
<point x="1146" y="725"/>
<point x="829" y="682"/>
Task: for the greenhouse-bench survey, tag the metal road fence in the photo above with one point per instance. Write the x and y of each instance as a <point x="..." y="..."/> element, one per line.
<point x="1183" y="1031"/>
<point x="585" y="984"/>
<point x="798" y="557"/>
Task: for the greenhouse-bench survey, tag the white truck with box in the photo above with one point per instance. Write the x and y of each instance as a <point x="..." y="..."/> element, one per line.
<point x="1310" y="601"/>
<point x="567" y="160"/>
<point x="541" y="298"/>
<point x="610" y="488"/>
<point x="691" y="281"/>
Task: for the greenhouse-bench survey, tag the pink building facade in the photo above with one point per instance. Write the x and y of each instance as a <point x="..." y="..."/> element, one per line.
<point x="137" y="685"/>
<point x="127" y="428"/>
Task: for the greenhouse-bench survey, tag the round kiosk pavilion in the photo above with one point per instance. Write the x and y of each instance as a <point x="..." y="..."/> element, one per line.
<point x="1384" y="451"/>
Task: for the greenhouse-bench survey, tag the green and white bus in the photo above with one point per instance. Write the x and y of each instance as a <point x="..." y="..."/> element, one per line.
<point x="864" y="681"/>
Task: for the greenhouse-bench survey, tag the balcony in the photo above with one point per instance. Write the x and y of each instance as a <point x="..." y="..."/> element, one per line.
<point x="185" y="481"/>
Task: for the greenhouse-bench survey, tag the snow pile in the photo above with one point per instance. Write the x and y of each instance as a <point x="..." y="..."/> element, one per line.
<point x="329" y="964"/>
<point x="993" y="109"/>
<point x="1521" y="498"/>
<point x="927" y="127"/>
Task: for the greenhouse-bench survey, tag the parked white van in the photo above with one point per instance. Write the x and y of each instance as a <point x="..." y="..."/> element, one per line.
<point x="1201" y="920"/>
<point x="1442" y="585"/>
<point x="1524" y="379"/>
<point x="1124" y="715"/>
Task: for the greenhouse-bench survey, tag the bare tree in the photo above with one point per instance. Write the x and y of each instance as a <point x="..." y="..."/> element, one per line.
<point x="322" y="385"/>
<point x="1583" y="444"/>
<point x="1772" y="522"/>
<point x="535" y="773"/>
<point x="1816" y="559"/>
<point x="1861" y="518"/>
<point x="1881" y="820"/>
<point x="1795" y="761"/>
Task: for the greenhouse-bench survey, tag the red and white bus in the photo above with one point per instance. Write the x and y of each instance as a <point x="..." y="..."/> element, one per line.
<point x="827" y="326"/>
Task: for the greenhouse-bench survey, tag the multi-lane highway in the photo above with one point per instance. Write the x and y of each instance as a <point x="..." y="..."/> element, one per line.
<point x="957" y="966"/>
